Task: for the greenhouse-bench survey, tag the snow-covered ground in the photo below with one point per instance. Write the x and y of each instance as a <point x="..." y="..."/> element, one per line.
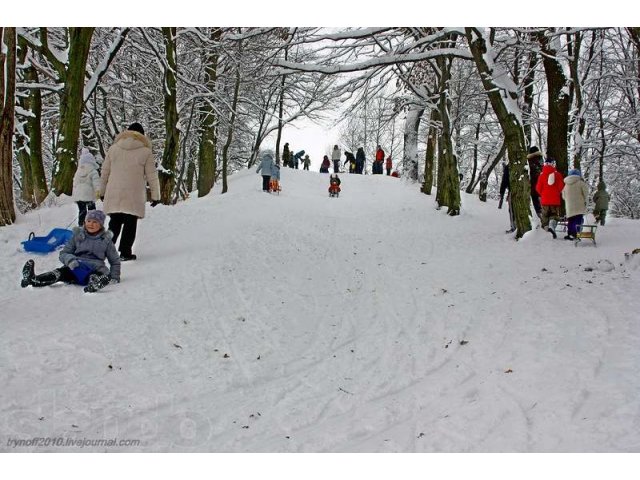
<point x="302" y="323"/>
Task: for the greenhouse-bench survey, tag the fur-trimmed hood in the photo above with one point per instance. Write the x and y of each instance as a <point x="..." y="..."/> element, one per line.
<point x="82" y="233"/>
<point x="131" y="140"/>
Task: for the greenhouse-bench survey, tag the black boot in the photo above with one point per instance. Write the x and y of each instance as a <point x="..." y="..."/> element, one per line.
<point x="96" y="282"/>
<point x="45" y="279"/>
<point x="27" y="273"/>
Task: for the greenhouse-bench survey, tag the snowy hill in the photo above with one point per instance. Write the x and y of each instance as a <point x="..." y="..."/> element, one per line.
<point x="301" y="323"/>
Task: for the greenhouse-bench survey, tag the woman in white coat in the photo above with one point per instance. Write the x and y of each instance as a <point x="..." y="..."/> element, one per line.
<point x="127" y="169"/>
<point x="575" y="194"/>
<point x="86" y="184"/>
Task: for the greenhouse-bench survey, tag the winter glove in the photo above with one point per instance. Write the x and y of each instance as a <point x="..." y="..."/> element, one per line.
<point x="155" y="202"/>
<point x="73" y="264"/>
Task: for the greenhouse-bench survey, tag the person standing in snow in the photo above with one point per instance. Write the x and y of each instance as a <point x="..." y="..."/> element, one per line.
<point x="535" y="159"/>
<point x="324" y="166"/>
<point x="360" y="160"/>
<point x="335" y="158"/>
<point x="351" y="160"/>
<point x="575" y="194"/>
<point x="549" y="186"/>
<point x="601" y="199"/>
<point x="83" y="258"/>
<point x="306" y="162"/>
<point x="377" y="164"/>
<point x="266" y="166"/>
<point x="128" y="168"/>
<point x="389" y="165"/>
<point x="505" y="185"/>
<point x="286" y="155"/>
<point x="86" y="184"/>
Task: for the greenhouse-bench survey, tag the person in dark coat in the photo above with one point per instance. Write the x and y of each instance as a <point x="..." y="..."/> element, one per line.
<point x="549" y="186"/>
<point x="351" y="160"/>
<point x="535" y="159"/>
<point x="324" y="166"/>
<point x="286" y="155"/>
<point x="505" y="185"/>
<point x="360" y="160"/>
<point x="601" y="199"/>
<point x="296" y="159"/>
<point x="82" y="257"/>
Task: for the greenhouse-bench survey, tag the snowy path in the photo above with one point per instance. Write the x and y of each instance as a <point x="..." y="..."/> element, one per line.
<point x="300" y="323"/>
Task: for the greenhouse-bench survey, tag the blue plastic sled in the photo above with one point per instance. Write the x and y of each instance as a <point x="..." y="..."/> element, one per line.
<point x="56" y="238"/>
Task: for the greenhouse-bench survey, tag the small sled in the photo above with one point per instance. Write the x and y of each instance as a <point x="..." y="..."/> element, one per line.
<point x="586" y="232"/>
<point x="56" y="238"/>
<point x="274" y="186"/>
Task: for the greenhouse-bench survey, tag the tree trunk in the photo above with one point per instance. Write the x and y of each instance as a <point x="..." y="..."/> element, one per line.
<point x="527" y="104"/>
<point x="209" y="139"/>
<point x="448" y="180"/>
<point x="71" y="104"/>
<point x="559" y="104"/>
<point x="410" y="160"/>
<point x="472" y="180"/>
<point x="172" y="134"/>
<point x="232" y="121"/>
<point x="34" y="180"/>
<point x="7" y="106"/>
<point x="432" y="144"/>
<point x="503" y="97"/>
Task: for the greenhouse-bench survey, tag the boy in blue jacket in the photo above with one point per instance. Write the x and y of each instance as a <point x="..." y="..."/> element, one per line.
<point x="83" y="258"/>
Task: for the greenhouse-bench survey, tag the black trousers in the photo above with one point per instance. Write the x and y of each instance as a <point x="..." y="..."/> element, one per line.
<point x="82" y="210"/>
<point x="126" y="223"/>
<point x="62" y="274"/>
<point x="265" y="182"/>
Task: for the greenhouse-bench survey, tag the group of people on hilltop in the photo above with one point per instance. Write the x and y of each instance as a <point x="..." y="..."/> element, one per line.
<point x="122" y="186"/>
<point x="549" y="188"/>
<point x="291" y="160"/>
<point x="356" y="163"/>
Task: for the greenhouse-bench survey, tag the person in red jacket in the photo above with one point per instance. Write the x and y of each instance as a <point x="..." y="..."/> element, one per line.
<point x="389" y="165"/>
<point x="377" y="165"/>
<point x="549" y="187"/>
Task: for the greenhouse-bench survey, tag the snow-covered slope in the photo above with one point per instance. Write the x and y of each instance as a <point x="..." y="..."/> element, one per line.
<point x="301" y="323"/>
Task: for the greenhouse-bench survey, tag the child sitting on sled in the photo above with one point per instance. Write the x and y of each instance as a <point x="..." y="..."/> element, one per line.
<point x="82" y="257"/>
<point x="334" y="185"/>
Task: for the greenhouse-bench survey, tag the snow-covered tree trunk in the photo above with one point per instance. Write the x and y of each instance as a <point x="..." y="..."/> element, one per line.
<point x="430" y="154"/>
<point x="411" y="126"/>
<point x="29" y="135"/>
<point x="72" y="76"/>
<point x="172" y="134"/>
<point x="448" y="180"/>
<point x="231" y="124"/>
<point x="559" y="100"/>
<point x="503" y="95"/>
<point x="208" y="122"/>
<point x="7" y="108"/>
